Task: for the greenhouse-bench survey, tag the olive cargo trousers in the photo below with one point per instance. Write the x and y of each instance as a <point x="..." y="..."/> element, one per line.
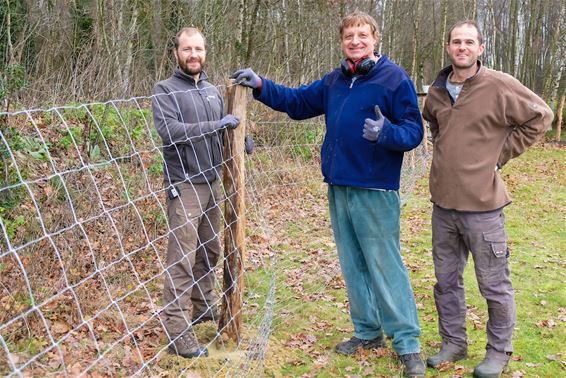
<point x="192" y="253"/>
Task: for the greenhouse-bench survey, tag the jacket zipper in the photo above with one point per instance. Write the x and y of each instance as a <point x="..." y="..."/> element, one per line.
<point x="353" y="81"/>
<point x="208" y="139"/>
<point x="335" y="140"/>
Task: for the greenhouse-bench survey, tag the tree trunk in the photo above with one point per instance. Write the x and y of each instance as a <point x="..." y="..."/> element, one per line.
<point x="116" y="41"/>
<point x="416" y="32"/>
<point x="512" y="64"/>
<point x="240" y="32"/>
<point x="391" y="26"/>
<point x="527" y="57"/>
<point x="129" y="49"/>
<point x="550" y="55"/>
<point x="382" y="26"/>
<point x="9" y="47"/>
<point x="251" y="33"/>
<point x="494" y="40"/>
<point x="536" y="50"/>
<point x="443" y="15"/>
<point x="371" y="8"/>
<point x="286" y="39"/>
<point x="474" y="9"/>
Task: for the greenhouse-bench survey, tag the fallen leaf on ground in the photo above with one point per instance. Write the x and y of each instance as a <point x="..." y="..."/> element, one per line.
<point x="532" y="365"/>
<point x="547" y="323"/>
<point x="446" y="365"/>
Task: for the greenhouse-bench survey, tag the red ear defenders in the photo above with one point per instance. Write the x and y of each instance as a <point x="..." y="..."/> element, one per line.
<point x="360" y="67"/>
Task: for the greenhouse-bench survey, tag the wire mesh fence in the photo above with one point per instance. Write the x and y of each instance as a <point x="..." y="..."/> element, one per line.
<point x="84" y="231"/>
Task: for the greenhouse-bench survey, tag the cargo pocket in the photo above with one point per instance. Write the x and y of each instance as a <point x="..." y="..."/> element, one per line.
<point x="497" y="242"/>
<point x="492" y="264"/>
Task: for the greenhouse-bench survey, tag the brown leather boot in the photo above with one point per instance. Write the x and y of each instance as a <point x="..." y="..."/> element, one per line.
<point x="187" y="346"/>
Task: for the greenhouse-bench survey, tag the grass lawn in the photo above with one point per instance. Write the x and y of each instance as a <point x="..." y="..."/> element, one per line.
<point x="311" y="313"/>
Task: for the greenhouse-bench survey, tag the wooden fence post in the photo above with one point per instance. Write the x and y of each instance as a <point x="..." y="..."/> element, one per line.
<point x="234" y="214"/>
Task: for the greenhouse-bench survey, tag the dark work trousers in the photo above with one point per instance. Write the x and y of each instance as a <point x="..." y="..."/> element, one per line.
<point x="192" y="253"/>
<point x="454" y="234"/>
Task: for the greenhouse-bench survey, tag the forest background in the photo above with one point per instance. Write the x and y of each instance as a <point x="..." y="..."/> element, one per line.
<point x="60" y="51"/>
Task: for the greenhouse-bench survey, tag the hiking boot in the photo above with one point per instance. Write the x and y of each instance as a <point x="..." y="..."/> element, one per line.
<point x="492" y="365"/>
<point x="414" y="366"/>
<point x="187" y="346"/>
<point x="446" y="355"/>
<point x="351" y="346"/>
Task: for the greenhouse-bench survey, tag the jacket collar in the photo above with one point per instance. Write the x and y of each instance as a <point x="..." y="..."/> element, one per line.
<point x="179" y="73"/>
<point x="380" y="62"/>
<point x="446" y="71"/>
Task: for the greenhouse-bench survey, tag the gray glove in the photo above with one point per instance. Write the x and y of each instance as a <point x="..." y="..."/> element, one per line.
<point x="249" y="144"/>
<point x="372" y="127"/>
<point x="248" y="78"/>
<point x="229" y="121"/>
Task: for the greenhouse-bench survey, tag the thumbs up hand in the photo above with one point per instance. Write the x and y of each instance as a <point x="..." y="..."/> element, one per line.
<point x="372" y="127"/>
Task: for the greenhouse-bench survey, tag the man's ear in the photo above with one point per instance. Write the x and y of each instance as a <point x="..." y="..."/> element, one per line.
<point x="175" y="53"/>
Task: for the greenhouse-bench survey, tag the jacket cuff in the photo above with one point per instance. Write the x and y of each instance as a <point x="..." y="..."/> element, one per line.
<point x="257" y="91"/>
<point x="383" y="134"/>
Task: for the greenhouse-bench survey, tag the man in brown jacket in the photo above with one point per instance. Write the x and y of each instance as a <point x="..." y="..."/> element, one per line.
<point x="479" y="120"/>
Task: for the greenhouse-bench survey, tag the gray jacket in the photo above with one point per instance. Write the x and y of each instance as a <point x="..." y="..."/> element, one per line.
<point x="186" y="115"/>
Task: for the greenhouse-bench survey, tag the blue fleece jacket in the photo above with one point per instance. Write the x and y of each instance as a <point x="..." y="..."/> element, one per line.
<point x="348" y="159"/>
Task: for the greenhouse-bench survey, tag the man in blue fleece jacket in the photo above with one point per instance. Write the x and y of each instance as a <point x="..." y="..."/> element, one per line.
<point x="372" y="118"/>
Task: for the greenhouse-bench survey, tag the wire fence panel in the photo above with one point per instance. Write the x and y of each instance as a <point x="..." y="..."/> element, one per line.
<point x="83" y="239"/>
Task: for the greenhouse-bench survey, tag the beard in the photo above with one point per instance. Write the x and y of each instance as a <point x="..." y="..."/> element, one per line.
<point x="464" y="66"/>
<point x="191" y="71"/>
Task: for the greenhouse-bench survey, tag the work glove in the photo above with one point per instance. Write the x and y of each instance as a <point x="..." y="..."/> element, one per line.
<point x="249" y="144"/>
<point x="229" y="121"/>
<point x="248" y="78"/>
<point x="372" y="127"/>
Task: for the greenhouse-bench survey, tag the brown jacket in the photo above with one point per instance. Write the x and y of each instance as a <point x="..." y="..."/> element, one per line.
<point x="495" y="119"/>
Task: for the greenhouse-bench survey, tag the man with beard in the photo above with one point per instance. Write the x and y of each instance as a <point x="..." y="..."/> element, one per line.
<point x="479" y="120"/>
<point x="188" y="116"/>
